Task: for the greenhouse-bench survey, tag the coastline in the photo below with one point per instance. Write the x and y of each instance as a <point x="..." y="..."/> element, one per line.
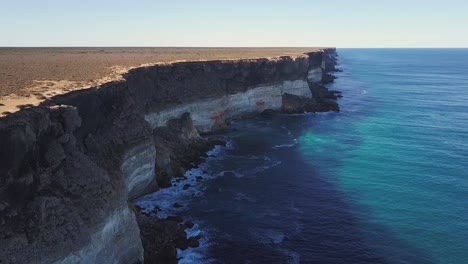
<point x="131" y="137"/>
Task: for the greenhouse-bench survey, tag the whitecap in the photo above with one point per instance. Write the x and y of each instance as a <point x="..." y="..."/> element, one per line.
<point x="196" y="255"/>
<point x="234" y="173"/>
<point x="284" y="145"/>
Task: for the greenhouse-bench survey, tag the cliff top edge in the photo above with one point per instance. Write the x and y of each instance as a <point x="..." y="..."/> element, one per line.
<point x="28" y="76"/>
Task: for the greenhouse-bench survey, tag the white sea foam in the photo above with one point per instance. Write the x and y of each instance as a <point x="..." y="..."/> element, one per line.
<point x="201" y="253"/>
<point x="285" y="145"/>
<point x="196" y="255"/>
<point x="165" y="199"/>
<point x="229" y="172"/>
<point x="219" y="158"/>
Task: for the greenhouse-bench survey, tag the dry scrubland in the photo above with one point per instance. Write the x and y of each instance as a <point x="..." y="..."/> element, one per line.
<point x="42" y="68"/>
<point x="30" y="75"/>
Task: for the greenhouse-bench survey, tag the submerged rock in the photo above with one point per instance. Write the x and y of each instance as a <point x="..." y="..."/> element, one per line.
<point x="293" y="104"/>
<point x="193" y="242"/>
<point x="160" y="239"/>
<point x="175" y="218"/>
<point x="177" y="205"/>
<point x="199" y="178"/>
<point x="328" y="78"/>
<point x="189" y="224"/>
<point x="228" y="174"/>
<point x="180" y="147"/>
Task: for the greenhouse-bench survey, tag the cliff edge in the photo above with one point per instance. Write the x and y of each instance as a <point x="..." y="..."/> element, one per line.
<point x="70" y="167"/>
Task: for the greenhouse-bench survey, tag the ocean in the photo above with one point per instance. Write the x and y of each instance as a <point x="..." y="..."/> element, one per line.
<point x="385" y="180"/>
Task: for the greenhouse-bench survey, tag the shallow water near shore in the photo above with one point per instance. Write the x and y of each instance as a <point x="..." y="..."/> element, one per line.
<point x="383" y="181"/>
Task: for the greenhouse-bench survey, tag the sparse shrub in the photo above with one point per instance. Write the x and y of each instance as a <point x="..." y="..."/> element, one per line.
<point x="25" y="106"/>
<point x="40" y="97"/>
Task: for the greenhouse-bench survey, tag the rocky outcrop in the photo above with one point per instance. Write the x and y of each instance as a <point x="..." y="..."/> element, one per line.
<point x="139" y="167"/>
<point x="69" y="167"/>
<point x="294" y="104"/>
<point x="180" y="147"/>
<point x="329" y="60"/>
<point x="215" y="113"/>
<point x="162" y="237"/>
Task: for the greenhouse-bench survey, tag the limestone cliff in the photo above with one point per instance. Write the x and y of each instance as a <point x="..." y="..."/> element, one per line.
<point x="69" y="167"/>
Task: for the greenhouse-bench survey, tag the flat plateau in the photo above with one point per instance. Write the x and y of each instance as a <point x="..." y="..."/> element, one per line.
<point x="30" y="75"/>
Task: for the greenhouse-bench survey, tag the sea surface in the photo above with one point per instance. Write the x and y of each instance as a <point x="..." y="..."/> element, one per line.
<point x="383" y="181"/>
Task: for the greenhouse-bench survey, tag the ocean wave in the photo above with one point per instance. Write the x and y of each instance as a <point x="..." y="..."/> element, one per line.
<point x="285" y="145"/>
<point x="230" y="173"/>
<point x="293" y="256"/>
<point x="196" y="255"/>
<point x="287" y="130"/>
<point x="268" y="236"/>
<point x="173" y="200"/>
<point x="240" y="196"/>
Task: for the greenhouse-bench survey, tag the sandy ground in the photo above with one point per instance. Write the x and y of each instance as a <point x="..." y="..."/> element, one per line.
<point x="30" y="75"/>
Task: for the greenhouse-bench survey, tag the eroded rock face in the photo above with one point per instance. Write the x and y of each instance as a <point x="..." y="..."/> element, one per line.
<point x="180" y="147"/>
<point x="69" y="167"/>
<point x="212" y="114"/>
<point x="294" y="104"/>
<point x="162" y="237"/>
<point x="329" y="60"/>
<point x="138" y="167"/>
<point x="117" y="241"/>
<point x="57" y="203"/>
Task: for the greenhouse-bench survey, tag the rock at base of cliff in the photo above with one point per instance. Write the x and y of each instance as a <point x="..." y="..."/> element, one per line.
<point x="294" y="104"/>
<point x="180" y="147"/>
<point x="328" y="78"/>
<point x="162" y="237"/>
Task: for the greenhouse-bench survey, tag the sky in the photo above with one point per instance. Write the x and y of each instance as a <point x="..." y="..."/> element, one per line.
<point x="235" y="23"/>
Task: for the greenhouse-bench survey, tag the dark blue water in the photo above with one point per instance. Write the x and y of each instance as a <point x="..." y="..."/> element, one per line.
<point x="383" y="181"/>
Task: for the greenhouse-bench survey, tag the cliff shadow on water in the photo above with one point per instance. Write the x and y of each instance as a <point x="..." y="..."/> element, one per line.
<point x="327" y="145"/>
<point x="270" y="200"/>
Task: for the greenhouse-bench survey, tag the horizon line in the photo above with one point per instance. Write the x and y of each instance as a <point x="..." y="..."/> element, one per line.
<point x="236" y="47"/>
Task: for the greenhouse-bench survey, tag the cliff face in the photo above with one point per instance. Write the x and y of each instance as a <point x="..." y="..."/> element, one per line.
<point x="69" y="167"/>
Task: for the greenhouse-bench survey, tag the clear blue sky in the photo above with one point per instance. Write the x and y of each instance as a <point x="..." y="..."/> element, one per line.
<point x="341" y="23"/>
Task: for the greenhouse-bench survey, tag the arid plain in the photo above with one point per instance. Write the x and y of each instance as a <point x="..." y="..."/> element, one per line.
<point x="30" y="75"/>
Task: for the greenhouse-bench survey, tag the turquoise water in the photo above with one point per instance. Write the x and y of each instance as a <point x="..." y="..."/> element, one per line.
<point x="383" y="181"/>
<point x="409" y="169"/>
